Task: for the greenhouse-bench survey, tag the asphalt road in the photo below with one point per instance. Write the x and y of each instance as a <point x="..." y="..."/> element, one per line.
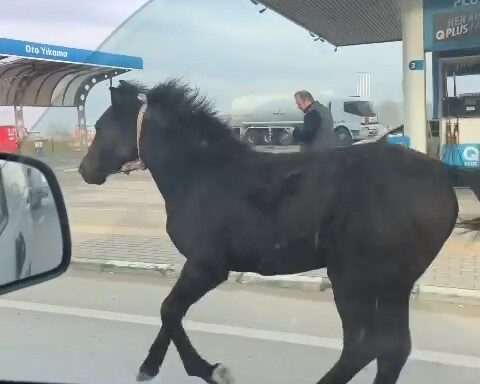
<point x="89" y="327"/>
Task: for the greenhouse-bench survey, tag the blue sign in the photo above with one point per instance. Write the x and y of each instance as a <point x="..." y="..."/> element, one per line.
<point x="9" y="47"/>
<point x="416" y="65"/>
<point x="467" y="155"/>
<point x="451" y="24"/>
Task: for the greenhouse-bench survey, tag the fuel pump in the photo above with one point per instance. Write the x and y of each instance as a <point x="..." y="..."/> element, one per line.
<point x="459" y="113"/>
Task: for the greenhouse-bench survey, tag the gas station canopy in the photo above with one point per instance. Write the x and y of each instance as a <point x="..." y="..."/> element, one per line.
<point x="346" y="22"/>
<point x="43" y="75"/>
<point x="449" y="29"/>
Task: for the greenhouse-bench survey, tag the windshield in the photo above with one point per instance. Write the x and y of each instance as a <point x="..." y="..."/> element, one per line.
<point x="251" y="228"/>
<point x="359" y="108"/>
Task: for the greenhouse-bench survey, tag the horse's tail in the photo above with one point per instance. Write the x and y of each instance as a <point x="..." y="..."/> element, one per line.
<point x="470" y="178"/>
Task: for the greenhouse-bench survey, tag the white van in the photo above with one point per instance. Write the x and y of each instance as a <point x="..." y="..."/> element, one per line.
<point x="272" y="119"/>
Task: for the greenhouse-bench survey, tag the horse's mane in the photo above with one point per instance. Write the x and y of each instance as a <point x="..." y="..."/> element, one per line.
<point x="172" y="94"/>
<point x="191" y="110"/>
<point x="179" y="96"/>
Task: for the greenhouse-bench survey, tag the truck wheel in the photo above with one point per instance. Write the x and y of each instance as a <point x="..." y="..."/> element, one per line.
<point x="252" y="137"/>
<point x="285" y="138"/>
<point x="267" y="138"/>
<point x="343" y="138"/>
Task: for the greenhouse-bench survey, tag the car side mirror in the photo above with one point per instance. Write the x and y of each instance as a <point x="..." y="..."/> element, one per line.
<point x="35" y="243"/>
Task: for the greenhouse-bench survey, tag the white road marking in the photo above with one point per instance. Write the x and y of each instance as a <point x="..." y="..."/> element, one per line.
<point x="112" y="209"/>
<point x="70" y="170"/>
<point x="451" y="359"/>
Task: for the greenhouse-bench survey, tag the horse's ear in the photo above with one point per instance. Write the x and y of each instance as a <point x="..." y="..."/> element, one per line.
<point x="115" y="96"/>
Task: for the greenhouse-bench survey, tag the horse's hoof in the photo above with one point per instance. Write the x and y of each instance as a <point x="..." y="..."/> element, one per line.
<point x="142" y="376"/>
<point x="222" y="375"/>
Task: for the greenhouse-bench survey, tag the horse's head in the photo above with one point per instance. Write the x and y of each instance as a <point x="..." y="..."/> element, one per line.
<point x="115" y="141"/>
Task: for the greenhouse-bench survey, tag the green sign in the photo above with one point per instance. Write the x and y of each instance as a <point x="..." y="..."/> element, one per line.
<point x="416" y="65"/>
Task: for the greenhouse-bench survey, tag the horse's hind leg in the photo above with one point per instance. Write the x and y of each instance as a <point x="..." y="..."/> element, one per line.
<point x="393" y="342"/>
<point x="151" y="365"/>
<point x="356" y="305"/>
<point x="194" y="282"/>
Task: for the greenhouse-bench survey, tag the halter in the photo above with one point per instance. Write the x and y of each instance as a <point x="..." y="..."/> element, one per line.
<point x="137" y="165"/>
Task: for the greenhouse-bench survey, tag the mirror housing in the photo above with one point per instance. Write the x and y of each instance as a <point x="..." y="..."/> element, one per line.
<point x="35" y="242"/>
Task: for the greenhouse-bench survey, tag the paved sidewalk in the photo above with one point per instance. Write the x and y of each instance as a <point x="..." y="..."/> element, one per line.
<point x="457" y="266"/>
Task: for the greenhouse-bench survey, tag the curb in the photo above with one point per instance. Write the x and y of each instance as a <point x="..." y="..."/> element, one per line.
<point x="166" y="270"/>
<point x="422" y="290"/>
<point x="296" y="282"/>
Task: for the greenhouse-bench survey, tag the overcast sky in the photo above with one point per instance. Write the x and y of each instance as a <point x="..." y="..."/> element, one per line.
<point x="81" y="24"/>
<point x="225" y="47"/>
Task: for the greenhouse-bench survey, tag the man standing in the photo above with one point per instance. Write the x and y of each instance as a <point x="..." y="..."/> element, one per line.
<point x="317" y="133"/>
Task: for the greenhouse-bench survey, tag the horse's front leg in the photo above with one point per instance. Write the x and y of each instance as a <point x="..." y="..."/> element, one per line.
<point x="197" y="279"/>
<point x="151" y="365"/>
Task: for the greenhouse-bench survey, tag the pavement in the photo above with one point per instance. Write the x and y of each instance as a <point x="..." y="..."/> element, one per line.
<point x="96" y="327"/>
<point x="122" y="225"/>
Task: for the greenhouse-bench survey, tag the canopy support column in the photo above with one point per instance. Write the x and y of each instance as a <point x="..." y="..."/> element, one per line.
<point x="19" y="121"/>
<point x="414" y="81"/>
<point x="82" y="126"/>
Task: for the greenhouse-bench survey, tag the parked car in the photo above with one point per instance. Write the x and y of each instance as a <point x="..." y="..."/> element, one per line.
<point x="394" y="135"/>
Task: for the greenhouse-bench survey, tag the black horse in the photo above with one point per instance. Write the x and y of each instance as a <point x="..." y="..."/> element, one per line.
<point x="374" y="215"/>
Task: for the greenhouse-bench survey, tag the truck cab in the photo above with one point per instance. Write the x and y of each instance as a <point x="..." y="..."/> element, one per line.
<point x="355" y="120"/>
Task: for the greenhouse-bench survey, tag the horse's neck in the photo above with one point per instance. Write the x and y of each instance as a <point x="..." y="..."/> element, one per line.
<point x="172" y="181"/>
<point x="176" y="174"/>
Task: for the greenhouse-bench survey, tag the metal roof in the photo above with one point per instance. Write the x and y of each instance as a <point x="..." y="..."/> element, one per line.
<point x="345" y="22"/>
<point x="42" y="75"/>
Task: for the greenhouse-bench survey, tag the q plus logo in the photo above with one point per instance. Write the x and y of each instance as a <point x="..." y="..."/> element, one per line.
<point x="471" y="155"/>
<point x="440" y="35"/>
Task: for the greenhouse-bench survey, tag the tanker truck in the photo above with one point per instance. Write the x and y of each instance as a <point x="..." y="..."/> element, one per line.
<point x="271" y="119"/>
